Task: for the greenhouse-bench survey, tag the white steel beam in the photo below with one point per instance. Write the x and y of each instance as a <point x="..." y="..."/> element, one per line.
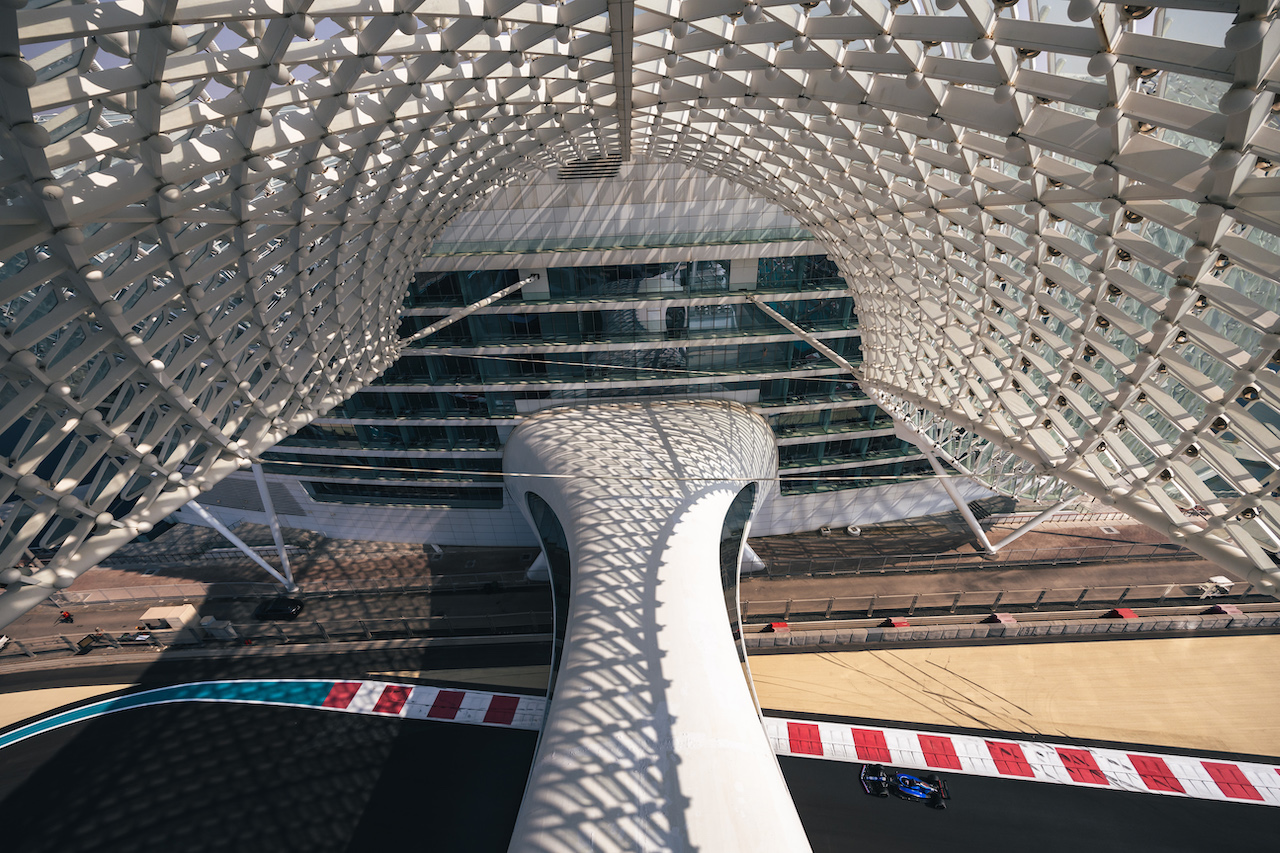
<point x="211" y="520"/>
<point x="1060" y="234"/>
<point x="273" y="522"/>
<point x="467" y="311"/>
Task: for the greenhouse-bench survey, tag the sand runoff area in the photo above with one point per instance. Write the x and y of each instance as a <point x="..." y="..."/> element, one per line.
<point x="1198" y="693"/>
<point x="16" y="707"/>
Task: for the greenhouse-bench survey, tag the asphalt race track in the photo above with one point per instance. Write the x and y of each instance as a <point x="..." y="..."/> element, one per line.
<point x="223" y="777"/>
<point x="244" y="778"/>
<point x="1003" y="814"/>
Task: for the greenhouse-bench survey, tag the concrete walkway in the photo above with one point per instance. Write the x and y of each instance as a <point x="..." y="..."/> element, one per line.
<point x="1197" y="693"/>
<point x="994" y="578"/>
<point x="947" y="533"/>
<point x="187" y="553"/>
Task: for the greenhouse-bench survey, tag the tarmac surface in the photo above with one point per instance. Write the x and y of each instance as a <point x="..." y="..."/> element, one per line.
<point x="1002" y="814"/>
<point x="207" y="777"/>
<point x="1180" y="692"/>
<point x="189" y="555"/>
<point x="217" y="777"/>
<point x="939" y="554"/>
<point x="347" y="660"/>
<point x="125" y="617"/>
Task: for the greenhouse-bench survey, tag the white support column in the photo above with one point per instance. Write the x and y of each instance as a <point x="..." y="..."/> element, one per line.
<point x="208" y="518"/>
<point x="904" y="431"/>
<point x="901" y="428"/>
<point x="272" y="522"/>
<point x="455" y="316"/>
<point x="808" y="338"/>
<point x="1032" y="524"/>
<point x="1212" y="547"/>
<point x="944" y="477"/>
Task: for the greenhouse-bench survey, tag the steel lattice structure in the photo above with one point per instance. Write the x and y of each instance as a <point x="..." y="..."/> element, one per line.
<point x="1059" y="222"/>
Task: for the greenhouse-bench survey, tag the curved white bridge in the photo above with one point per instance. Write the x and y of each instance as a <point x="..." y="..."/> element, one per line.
<point x="652" y="740"/>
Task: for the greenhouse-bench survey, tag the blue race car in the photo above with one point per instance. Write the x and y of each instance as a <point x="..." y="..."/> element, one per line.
<point x="929" y="790"/>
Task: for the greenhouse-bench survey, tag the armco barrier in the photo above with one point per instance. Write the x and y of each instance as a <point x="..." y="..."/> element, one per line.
<point x="474" y="581"/>
<point x="303" y="631"/>
<point x="1142" y="624"/>
<point x="837" y="563"/>
<point x="990" y="600"/>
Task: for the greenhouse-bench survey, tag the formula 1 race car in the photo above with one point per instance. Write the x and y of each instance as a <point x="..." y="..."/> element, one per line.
<point x="929" y="790"/>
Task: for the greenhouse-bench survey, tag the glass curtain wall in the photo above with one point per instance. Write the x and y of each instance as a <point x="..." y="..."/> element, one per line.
<point x="433" y="424"/>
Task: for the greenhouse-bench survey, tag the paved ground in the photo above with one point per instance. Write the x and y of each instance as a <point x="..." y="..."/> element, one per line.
<point x="252" y="779"/>
<point x="947" y="533"/>
<point x="118" y="618"/>
<point x="262" y="780"/>
<point x="1184" y="693"/>
<point x="183" y="555"/>
<point x="1198" y="693"/>
<point x="1002" y="815"/>
<point x="350" y="660"/>
<point x="187" y="554"/>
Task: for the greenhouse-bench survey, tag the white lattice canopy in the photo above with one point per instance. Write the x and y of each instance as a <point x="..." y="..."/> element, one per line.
<point x="1060" y="223"/>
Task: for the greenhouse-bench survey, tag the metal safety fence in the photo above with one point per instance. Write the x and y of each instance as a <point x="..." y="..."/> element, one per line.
<point x="226" y="635"/>
<point x="995" y="600"/>
<point x="836" y="565"/>
<point x="471" y="581"/>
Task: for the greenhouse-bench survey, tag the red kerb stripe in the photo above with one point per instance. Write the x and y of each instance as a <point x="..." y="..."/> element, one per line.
<point x="446" y="705"/>
<point x="502" y="710"/>
<point x="392" y="699"/>
<point x="939" y="752"/>
<point x="341" y="694"/>
<point x="805" y="739"/>
<point x="1081" y="766"/>
<point x="1009" y="759"/>
<point x="1232" y="781"/>
<point x="870" y="745"/>
<point x="1156" y="773"/>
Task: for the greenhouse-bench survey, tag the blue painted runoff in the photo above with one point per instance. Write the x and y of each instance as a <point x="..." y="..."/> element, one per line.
<point x="268" y="692"/>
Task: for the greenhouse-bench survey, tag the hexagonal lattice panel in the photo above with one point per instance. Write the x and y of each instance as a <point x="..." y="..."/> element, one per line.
<point x="1059" y="221"/>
